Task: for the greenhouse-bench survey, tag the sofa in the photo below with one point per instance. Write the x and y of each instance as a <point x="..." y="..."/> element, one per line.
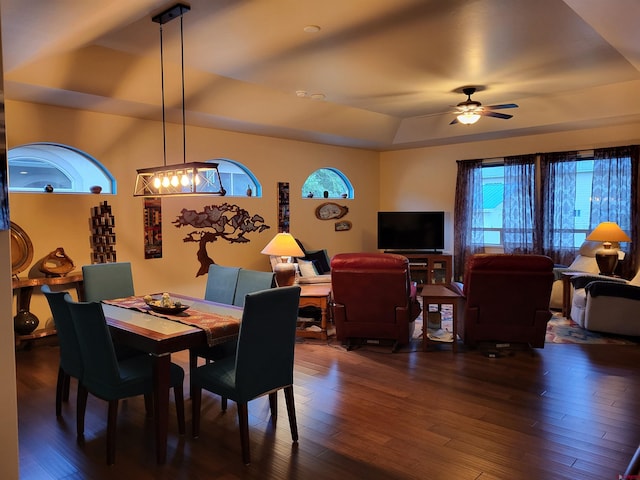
<point x="505" y="299"/>
<point x="374" y="298"/>
<point x="607" y="304"/>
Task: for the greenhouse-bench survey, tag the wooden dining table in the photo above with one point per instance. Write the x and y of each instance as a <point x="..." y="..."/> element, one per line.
<point x="160" y="337"/>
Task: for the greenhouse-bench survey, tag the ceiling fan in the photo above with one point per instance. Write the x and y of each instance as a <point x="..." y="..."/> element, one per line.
<point x="470" y="111"/>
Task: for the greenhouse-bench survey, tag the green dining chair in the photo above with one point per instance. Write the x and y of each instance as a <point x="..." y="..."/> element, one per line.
<point x="110" y="379"/>
<point x="220" y="288"/>
<point x="104" y="281"/>
<point x="221" y="284"/>
<point x="262" y="364"/>
<point x="70" y="358"/>
<point x="251" y="281"/>
<point x="246" y="281"/>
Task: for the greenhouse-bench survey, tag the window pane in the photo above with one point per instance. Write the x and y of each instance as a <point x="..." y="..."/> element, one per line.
<point x="327" y="183"/>
<point x="68" y="170"/>
<point x="237" y="179"/>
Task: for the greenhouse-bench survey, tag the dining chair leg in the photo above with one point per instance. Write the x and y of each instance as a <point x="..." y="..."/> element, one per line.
<point x="196" y="401"/>
<point x="178" y="393"/>
<point x="243" y="423"/>
<point x="148" y="404"/>
<point x="193" y="364"/>
<point x="112" y="423"/>
<point x="291" y="410"/>
<point x="273" y="405"/>
<point x="223" y="403"/>
<point x="59" y="391"/>
<point x="66" y="384"/>
<point x="81" y="407"/>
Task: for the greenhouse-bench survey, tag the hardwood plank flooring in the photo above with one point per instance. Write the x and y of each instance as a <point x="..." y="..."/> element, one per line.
<point x="562" y="412"/>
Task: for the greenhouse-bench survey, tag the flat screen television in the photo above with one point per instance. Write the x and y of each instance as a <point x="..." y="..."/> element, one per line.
<point x="410" y="231"/>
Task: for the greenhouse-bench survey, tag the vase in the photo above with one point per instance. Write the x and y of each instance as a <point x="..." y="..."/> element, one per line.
<point x="25" y="322"/>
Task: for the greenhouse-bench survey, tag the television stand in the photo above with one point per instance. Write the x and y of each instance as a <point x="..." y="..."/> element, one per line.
<point x="415" y="252"/>
<point x="430" y="268"/>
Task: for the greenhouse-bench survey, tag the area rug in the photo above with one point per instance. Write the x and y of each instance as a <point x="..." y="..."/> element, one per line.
<point x="564" y="330"/>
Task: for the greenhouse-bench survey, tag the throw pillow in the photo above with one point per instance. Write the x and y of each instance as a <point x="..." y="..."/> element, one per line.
<point x="320" y="257"/>
<point x="307" y="269"/>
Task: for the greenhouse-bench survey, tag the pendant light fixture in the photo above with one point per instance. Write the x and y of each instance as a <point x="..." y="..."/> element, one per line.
<point x="194" y="178"/>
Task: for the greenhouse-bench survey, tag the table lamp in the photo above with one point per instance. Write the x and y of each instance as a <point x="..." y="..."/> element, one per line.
<point x="607" y="256"/>
<point x="283" y="245"/>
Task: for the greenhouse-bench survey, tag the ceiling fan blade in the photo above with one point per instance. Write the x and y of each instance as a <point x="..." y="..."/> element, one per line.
<point x="489" y="113"/>
<point x="501" y="106"/>
<point x="454" y="121"/>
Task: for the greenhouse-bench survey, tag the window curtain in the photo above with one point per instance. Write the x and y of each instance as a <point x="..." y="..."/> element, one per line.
<point x="557" y="200"/>
<point x="468" y="234"/>
<point x="519" y="218"/>
<point x="614" y="188"/>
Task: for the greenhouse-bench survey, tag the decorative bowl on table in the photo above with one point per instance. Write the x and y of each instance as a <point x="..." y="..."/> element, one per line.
<point x="165" y="304"/>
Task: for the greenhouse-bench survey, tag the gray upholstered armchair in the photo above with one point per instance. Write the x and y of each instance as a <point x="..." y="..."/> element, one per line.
<point x="606" y="304"/>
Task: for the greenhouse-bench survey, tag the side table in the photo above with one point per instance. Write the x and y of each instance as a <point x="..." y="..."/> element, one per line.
<point x="316" y="295"/>
<point x="439" y="295"/>
<point x="23" y="288"/>
<point x="566" y="292"/>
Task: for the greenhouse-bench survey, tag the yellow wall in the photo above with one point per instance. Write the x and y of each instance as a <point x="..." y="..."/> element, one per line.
<point x="125" y="144"/>
<point x="425" y="178"/>
<point x="416" y="179"/>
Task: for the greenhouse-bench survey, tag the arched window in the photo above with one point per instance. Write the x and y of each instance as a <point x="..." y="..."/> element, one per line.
<point x="237" y="179"/>
<point x="327" y="183"/>
<point x="34" y="167"/>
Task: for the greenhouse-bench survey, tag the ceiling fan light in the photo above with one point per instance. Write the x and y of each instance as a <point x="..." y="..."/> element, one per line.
<point x="468" y="118"/>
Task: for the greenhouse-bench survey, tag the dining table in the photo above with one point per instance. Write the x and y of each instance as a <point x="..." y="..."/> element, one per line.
<point x="134" y="324"/>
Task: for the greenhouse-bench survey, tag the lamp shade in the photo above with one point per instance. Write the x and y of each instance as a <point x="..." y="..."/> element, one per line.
<point x="283" y="245"/>
<point x="608" y="232"/>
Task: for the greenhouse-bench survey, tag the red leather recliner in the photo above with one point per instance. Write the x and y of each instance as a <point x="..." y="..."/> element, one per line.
<point x="373" y="297"/>
<point x="506" y="299"/>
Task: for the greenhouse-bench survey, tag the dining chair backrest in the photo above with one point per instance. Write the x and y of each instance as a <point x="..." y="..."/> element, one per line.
<point x="70" y="357"/>
<point x="250" y="281"/>
<point x="101" y="371"/>
<point x="221" y="284"/>
<point x="104" y="281"/>
<point x="266" y="343"/>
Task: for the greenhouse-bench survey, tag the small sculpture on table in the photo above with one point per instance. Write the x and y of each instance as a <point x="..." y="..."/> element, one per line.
<point x="56" y="263"/>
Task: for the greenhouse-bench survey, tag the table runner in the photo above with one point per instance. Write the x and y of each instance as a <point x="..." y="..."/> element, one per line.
<point x="218" y="328"/>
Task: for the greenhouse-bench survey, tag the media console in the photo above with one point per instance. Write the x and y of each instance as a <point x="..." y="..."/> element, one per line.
<point x="428" y="268"/>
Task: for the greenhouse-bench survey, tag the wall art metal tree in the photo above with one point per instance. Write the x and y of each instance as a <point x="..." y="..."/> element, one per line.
<point x="226" y="222"/>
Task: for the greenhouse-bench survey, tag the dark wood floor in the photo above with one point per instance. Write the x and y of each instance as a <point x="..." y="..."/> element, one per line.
<point x="564" y="412"/>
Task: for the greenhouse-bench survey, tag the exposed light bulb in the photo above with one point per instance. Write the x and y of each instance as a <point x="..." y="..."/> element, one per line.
<point x="165" y="182"/>
<point x="174" y="181"/>
<point x="184" y="180"/>
<point x="156" y="182"/>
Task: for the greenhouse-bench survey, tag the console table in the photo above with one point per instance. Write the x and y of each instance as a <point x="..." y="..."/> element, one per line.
<point x="23" y="288"/>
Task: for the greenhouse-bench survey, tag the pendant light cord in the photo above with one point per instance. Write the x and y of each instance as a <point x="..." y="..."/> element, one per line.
<point x="184" y="131"/>
<point x="164" y="128"/>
